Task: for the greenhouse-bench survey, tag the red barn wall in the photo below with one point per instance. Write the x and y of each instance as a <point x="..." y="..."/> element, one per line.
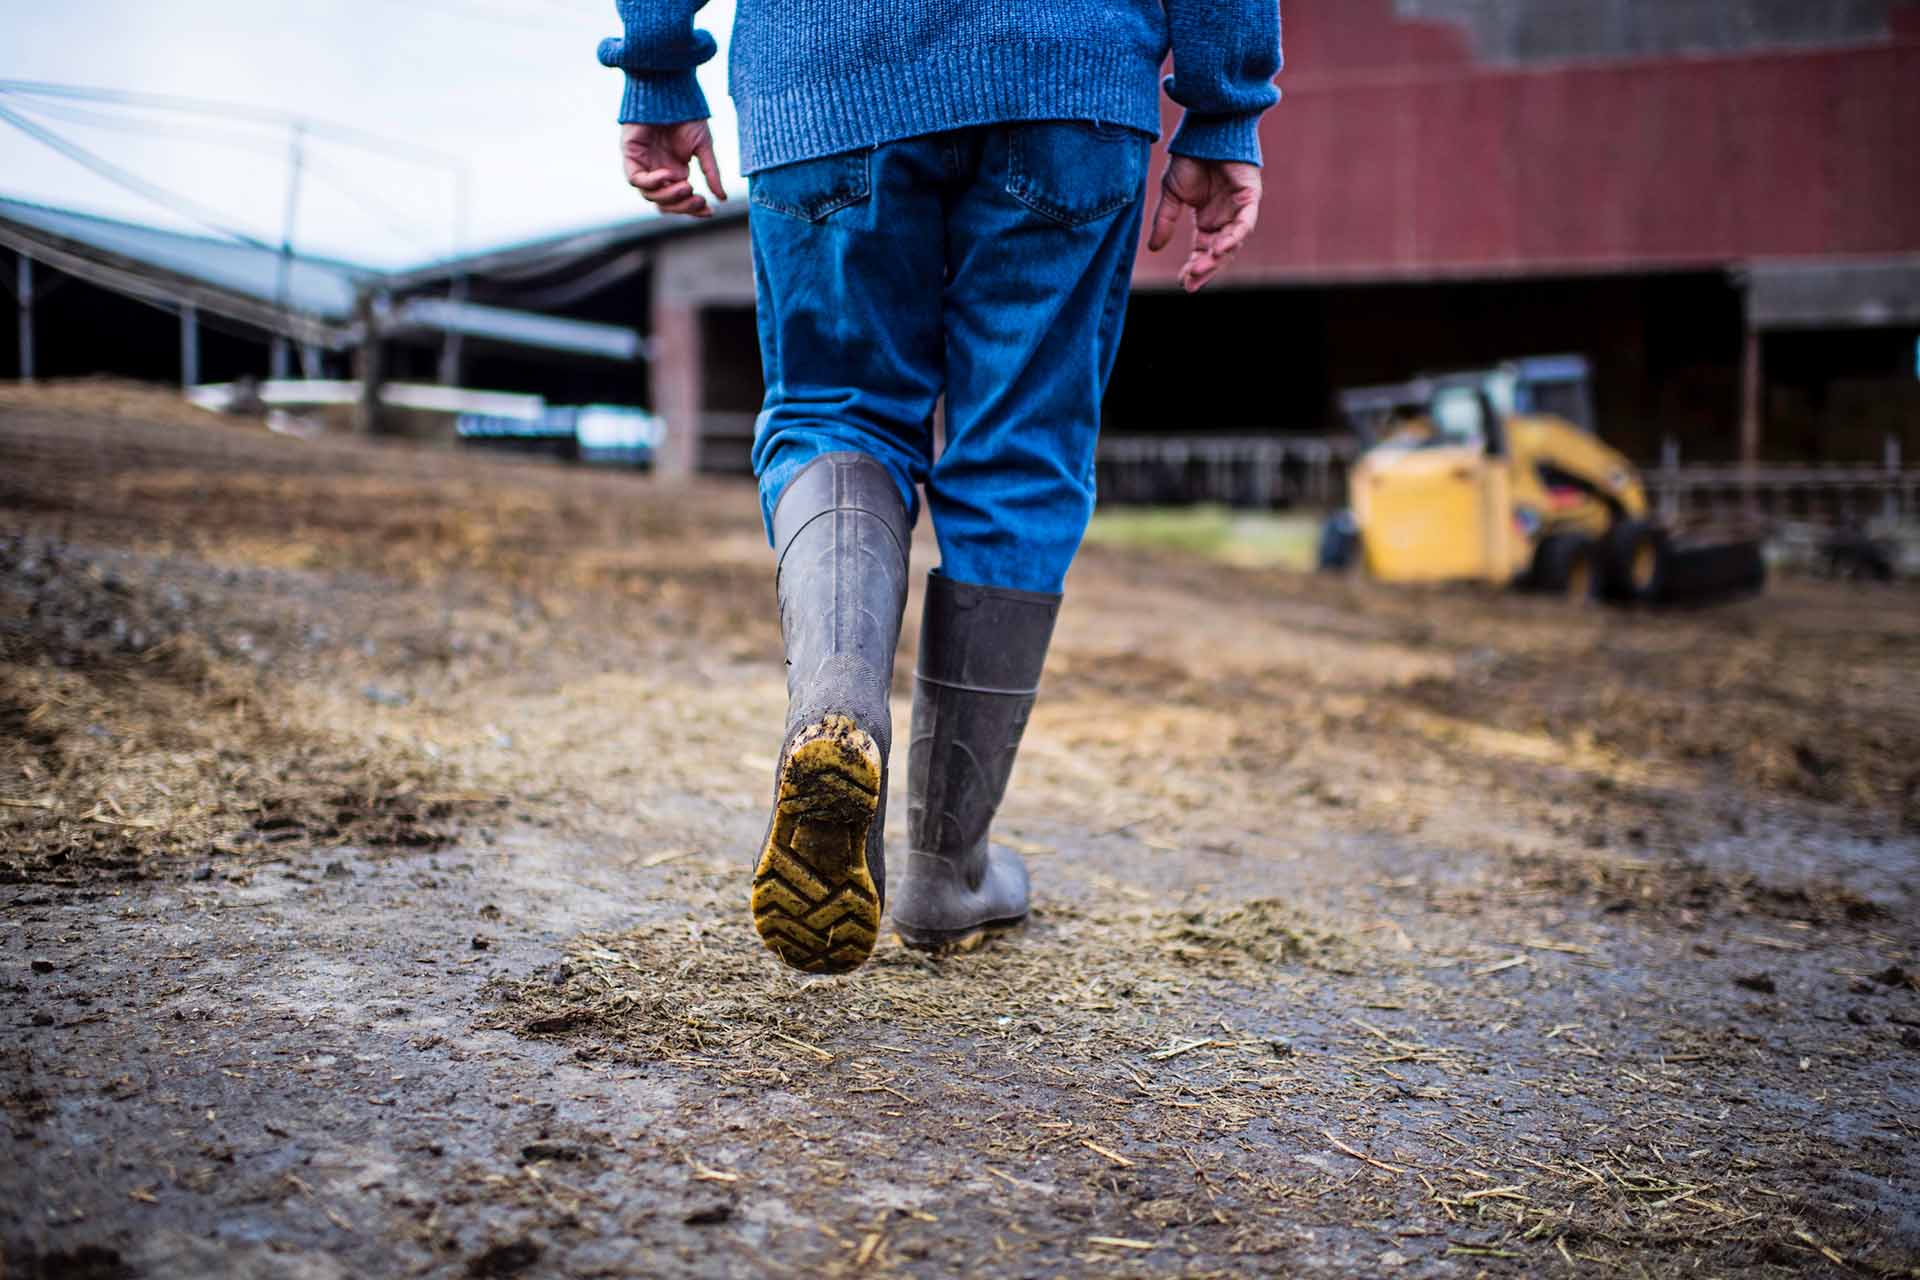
<point x="1398" y="154"/>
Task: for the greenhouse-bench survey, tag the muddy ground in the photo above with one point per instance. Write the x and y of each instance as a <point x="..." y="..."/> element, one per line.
<point x="374" y="827"/>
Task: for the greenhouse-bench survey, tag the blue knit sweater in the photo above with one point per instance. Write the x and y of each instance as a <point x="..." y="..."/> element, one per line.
<point x="814" y="77"/>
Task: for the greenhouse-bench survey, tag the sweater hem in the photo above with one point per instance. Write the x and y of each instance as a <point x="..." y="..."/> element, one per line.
<point x="998" y="82"/>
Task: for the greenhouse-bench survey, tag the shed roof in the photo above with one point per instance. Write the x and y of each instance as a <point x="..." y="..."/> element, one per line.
<point x="241" y="279"/>
<point x="319" y="287"/>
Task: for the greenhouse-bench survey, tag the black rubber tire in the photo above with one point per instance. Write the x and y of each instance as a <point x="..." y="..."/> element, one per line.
<point x="1339" y="543"/>
<point x="1565" y="564"/>
<point x="1633" y="562"/>
<point x="1707" y="574"/>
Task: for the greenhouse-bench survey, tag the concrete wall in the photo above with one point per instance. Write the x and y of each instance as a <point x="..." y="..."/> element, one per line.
<point x="692" y="274"/>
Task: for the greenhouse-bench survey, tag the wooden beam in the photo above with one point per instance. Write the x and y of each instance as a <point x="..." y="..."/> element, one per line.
<point x="189" y="345"/>
<point x="168" y="290"/>
<point x="24" y="292"/>
<point x="369" y="367"/>
<point x="1753" y="392"/>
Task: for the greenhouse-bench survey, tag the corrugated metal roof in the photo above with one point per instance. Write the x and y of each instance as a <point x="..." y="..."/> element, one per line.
<point x="243" y="280"/>
<point x="318" y="287"/>
<point x="520" y="328"/>
<point x="1826" y="295"/>
<point x="546" y="253"/>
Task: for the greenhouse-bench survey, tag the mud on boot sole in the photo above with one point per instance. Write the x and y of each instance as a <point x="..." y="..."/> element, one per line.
<point x="949" y="941"/>
<point x="814" y="901"/>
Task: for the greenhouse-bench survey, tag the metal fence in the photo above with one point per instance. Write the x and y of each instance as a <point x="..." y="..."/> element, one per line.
<point x="1815" y="494"/>
<point x="1311" y="471"/>
<point x="1242" y="471"/>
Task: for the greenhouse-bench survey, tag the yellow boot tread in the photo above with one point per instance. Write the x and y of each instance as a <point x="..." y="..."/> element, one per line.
<point x="814" y="901"/>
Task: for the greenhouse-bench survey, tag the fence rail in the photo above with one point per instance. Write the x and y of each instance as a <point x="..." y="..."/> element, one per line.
<point x="1840" y="494"/>
<point x="1256" y="471"/>
<point x="1311" y="471"/>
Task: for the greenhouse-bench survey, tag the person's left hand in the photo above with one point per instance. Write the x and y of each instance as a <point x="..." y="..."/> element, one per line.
<point x="657" y="159"/>
<point x="1224" y="196"/>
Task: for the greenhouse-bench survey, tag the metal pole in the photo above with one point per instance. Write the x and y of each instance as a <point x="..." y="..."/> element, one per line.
<point x="25" y="294"/>
<point x="450" y="371"/>
<point x="1752" y="389"/>
<point x="189" y="345"/>
<point x="1890" y="505"/>
<point x="369" y="366"/>
<point x="1670" y="465"/>
<point x="450" y="347"/>
<point x="281" y="361"/>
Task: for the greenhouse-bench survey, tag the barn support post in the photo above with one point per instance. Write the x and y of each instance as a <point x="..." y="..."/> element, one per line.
<point x="189" y="345"/>
<point x="24" y="293"/>
<point x="369" y="367"/>
<point x="1752" y="412"/>
<point x="450" y="364"/>
<point x="1890" y="453"/>
<point x="677" y="390"/>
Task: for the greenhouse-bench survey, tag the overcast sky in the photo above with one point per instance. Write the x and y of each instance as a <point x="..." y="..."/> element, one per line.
<point x="509" y="85"/>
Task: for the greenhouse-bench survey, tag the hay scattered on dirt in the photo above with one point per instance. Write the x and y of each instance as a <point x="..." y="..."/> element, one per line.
<point x="131" y="747"/>
<point x="1086" y="1043"/>
<point x="703" y="986"/>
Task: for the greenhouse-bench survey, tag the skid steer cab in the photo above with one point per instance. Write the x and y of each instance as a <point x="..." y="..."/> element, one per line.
<point x="1495" y="475"/>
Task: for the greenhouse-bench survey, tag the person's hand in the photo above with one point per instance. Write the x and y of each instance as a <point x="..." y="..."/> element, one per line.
<point x="1224" y="196"/>
<point x="656" y="158"/>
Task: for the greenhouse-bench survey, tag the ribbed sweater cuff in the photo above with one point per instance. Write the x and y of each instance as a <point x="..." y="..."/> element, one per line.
<point x="1218" y="138"/>
<point x="667" y="98"/>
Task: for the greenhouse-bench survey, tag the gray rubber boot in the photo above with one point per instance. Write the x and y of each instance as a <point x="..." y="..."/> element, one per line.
<point x="981" y="650"/>
<point x="819" y="883"/>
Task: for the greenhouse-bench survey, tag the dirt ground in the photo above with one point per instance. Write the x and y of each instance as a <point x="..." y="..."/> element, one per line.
<point x="374" y="835"/>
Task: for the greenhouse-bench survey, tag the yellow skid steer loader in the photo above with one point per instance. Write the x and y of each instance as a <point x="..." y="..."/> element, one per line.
<point x="1495" y="475"/>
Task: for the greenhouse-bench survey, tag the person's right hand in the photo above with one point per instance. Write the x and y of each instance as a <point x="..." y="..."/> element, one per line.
<point x="1225" y="198"/>
<point x="656" y="158"/>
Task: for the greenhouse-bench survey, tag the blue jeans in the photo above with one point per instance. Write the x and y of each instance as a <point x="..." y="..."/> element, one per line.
<point x="988" y="264"/>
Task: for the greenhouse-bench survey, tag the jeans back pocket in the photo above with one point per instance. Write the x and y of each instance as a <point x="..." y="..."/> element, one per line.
<point x="1075" y="171"/>
<point x="812" y="189"/>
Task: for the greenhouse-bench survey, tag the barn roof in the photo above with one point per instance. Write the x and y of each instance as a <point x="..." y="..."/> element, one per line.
<point x="241" y="280"/>
<point x="320" y="287"/>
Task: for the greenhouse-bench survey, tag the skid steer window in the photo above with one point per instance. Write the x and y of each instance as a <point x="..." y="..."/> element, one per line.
<point x="1459" y="416"/>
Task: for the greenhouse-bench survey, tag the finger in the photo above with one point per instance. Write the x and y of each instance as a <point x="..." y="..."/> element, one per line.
<point x="1201" y="266"/>
<point x="692" y="206"/>
<point x="662" y="177"/>
<point x="670" y="195"/>
<point x="1228" y="241"/>
<point x="1166" y="220"/>
<point x="711" y="168"/>
<point x="1204" y="266"/>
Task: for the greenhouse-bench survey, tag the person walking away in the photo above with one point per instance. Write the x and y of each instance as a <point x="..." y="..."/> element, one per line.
<point x="945" y="199"/>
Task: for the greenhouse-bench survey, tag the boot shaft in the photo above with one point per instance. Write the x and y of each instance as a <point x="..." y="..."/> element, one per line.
<point x="981" y="654"/>
<point x="840" y="532"/>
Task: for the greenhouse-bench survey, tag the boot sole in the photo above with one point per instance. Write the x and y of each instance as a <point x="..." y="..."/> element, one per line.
<point x="814" y="901"/>
<point x="955" y="939"/>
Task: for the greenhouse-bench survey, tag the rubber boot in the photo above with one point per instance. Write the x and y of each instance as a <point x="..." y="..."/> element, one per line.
<point x="819" y="884"/>
<point x="981" y="650"/>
